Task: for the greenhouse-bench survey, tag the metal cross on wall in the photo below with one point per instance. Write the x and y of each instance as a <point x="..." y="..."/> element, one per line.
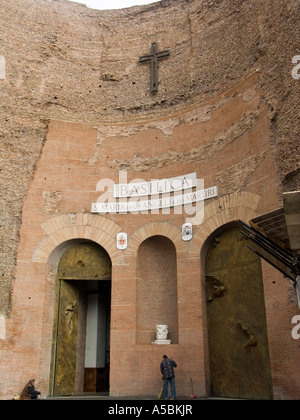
<point x="153" y="59"/>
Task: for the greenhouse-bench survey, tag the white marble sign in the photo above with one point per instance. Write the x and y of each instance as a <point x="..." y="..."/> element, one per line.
<point x="156" y="186"/>
<point x="154" y="204"/>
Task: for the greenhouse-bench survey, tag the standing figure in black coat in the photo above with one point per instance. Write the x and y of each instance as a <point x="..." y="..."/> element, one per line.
<point x="167" y="369"/>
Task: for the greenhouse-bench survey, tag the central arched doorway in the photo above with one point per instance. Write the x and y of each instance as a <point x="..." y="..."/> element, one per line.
<point x="81" y="337"/>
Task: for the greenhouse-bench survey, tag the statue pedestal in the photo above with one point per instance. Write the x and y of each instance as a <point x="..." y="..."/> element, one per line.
<point x="161" y="342"/>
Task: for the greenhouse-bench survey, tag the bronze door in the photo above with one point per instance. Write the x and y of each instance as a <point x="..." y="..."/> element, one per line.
<point x="66" y="341"/>
<point x="237" y="334"/>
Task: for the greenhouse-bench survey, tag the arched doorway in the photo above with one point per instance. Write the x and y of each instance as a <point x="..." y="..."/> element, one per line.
<point x="81" y="339"/>
<point x="237" y="333"/>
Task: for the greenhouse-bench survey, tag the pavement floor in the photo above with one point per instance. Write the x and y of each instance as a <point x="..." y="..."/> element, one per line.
<point x="105" y="396"/>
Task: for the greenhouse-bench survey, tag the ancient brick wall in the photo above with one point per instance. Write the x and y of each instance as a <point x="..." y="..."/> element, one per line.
<point x="64" y="61"/>
<point x="227" y="106"/>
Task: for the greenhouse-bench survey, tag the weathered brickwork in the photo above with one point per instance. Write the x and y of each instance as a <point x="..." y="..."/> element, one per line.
<point x="76" y="108"/>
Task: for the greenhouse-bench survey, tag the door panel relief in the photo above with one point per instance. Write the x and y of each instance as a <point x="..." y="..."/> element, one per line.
<point x="238" y="348"/>
<point x="65" y="372"/>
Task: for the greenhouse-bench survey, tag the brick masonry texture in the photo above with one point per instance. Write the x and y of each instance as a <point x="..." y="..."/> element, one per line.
<point x="76" y="107"/>
<point x="64" y="61"/>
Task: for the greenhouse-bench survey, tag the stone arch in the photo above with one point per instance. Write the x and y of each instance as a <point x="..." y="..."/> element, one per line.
<point x="168" y="230"/>
<point x="81" y="339"/>
<point x="64" y="230"/>
<point x="226" y="209"/>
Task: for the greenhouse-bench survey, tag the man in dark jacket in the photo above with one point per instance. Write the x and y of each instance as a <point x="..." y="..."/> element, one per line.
<point x="167" y="369"/>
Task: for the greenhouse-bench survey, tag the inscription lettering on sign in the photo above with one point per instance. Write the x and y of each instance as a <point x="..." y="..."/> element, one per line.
<point x="160" y="194"/>
<point x="158" y="186"/>
<point x="155" y="204"/>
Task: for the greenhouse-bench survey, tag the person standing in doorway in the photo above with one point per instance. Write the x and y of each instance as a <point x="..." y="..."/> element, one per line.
<point x="168" y="375"/>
